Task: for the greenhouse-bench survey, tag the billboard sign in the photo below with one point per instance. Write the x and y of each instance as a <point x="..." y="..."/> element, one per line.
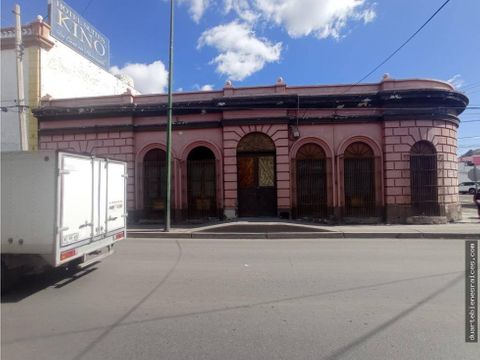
<point x="73" y="30"/>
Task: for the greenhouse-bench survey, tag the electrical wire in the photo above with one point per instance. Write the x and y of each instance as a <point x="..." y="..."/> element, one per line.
<point x="468" y="86"/>
<point x="86" y="7"/>
<point x="401" y="46"/>
<point x="469" y="137"/>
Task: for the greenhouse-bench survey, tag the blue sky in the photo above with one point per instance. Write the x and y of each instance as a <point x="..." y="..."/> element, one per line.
<point x="307" y="42"/>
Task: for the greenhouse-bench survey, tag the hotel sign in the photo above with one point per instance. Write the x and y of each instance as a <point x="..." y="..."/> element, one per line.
<point x="72" y="29"/>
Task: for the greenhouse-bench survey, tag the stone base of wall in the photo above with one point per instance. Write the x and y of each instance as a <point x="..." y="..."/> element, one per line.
<point x="230" y="214"/>
<point x="331" y="218"/>
<point x="182" y="216"/>
<point x="397" y="214"/>
<point x="403" y="214"/>
<point x="426" y="220"/>
<point x="376" y="217"/>
<point x="453" y="212"/>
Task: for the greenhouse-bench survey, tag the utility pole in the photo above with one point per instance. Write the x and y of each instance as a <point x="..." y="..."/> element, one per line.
<point x="19" y="49"/>
<point x="169" y="125"/>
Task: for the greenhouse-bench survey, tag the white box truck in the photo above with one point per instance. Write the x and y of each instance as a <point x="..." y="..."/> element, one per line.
<point x="59" y="209"/>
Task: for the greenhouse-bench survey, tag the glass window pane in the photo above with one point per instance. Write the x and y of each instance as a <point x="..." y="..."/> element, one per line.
<point x="265" y="171"/>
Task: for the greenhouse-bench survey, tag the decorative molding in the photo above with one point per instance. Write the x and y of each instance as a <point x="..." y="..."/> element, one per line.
<point x="34" y="34"/>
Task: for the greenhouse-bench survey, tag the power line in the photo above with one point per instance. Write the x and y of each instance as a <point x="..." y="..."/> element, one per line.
<point x="468" y="86"/>
<point x="401" y="46"/>
<point x="86" y="7"/>
<point x="469" y="90"/>
<point x="473" y="92"/>
<point x="468" y="147"/>
<point x="468" y="137"/>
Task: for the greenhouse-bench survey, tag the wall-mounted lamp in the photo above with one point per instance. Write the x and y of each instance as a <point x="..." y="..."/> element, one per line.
<point x="295" y="132"/>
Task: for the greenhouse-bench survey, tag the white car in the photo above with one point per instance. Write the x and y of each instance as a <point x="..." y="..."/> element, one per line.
<point x="468" y="187"/>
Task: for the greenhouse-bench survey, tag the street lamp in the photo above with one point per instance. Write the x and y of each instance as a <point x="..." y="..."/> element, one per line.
<point x="169" y="125"/>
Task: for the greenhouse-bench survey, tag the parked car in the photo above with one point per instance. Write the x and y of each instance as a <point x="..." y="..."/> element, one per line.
<point x="468" y="187"/>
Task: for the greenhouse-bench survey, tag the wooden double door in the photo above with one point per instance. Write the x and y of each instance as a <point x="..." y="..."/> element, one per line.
<point x="257" y="191"/>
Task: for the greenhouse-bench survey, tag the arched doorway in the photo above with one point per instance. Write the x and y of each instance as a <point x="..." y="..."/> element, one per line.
<point x="257" y="191"/>
<point x="423" y="179"/>
<point x="154" y="183"/>
<point x="201" y="184"/>
<point x="311" y="177"/>
<point x="359" y="180"/>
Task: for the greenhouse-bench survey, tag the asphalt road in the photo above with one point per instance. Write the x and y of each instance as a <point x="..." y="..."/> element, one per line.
<point x="248" y="299"/>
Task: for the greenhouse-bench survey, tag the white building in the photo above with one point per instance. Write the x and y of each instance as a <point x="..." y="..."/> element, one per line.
<point x="51" y="69"/>
<point x="466" y="166"/>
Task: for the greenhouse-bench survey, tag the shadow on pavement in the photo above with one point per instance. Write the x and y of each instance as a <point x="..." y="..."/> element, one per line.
<point x="28" y="285"/>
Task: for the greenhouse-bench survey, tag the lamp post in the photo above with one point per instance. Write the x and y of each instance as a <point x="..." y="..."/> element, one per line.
<point x="169" y="125"/>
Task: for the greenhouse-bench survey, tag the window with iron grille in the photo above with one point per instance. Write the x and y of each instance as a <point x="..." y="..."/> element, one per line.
<point x="359" y="180"/>
<point x="311" y="176"/>
<point x="154" y="182"/>
<point x="201" y="183"/>
<point x="423" y="179"/>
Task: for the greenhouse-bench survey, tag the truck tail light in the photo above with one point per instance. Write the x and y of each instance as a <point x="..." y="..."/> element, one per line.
<point x="67" y="254"/>
<point x="119" y="236"/>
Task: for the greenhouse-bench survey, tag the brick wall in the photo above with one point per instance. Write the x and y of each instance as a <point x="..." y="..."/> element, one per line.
<point x="117" y="145"/>
<point x="231" y="136"/>
<point x="399" y="137"/>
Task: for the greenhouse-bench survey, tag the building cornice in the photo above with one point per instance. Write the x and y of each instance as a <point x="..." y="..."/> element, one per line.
<point x="35" y="34"/>
<point x="291" y="121"/>
<point x="391" y="103"/>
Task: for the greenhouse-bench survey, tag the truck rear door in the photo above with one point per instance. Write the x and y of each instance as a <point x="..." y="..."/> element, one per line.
<point x="116" y="196"/>
<point x="99" y="198"/>
<point x="75" y="204"/>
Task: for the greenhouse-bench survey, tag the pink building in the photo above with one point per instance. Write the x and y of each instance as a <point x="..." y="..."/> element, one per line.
<point x="376" y="152"/>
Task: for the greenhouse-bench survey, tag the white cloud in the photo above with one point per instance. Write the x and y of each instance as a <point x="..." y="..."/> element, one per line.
<point x="456" y="81"/>
<point x="242" y="8"/>
<point x="368" y="15"/>
<point x="321" y="18"/>
<point x="196" y="8"/>
<point x="148" y="78"/>
<point x="241" y="52"/>
<point x="206" y="87"/>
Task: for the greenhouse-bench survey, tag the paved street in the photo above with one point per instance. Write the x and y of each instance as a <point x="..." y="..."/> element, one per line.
<point x="248" y="299"/>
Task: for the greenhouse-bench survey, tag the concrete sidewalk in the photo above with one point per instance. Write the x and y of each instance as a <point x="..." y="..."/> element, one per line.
<point x="285" y="229"/>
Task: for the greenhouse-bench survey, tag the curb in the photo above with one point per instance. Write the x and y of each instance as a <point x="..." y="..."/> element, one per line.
<point x="302" y="235"/>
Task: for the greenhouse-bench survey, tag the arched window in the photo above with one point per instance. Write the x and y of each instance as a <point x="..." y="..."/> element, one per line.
<point x="201" y="183"/>
<point x="359" y="180"/>
<point x="311" y="177"/>
<point x="154" y="183"/>
<point x="423" y="179"/>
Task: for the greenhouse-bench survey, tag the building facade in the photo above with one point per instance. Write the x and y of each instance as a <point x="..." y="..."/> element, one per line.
<point x="370" y="152"/>
<point x="51" y="69"/>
